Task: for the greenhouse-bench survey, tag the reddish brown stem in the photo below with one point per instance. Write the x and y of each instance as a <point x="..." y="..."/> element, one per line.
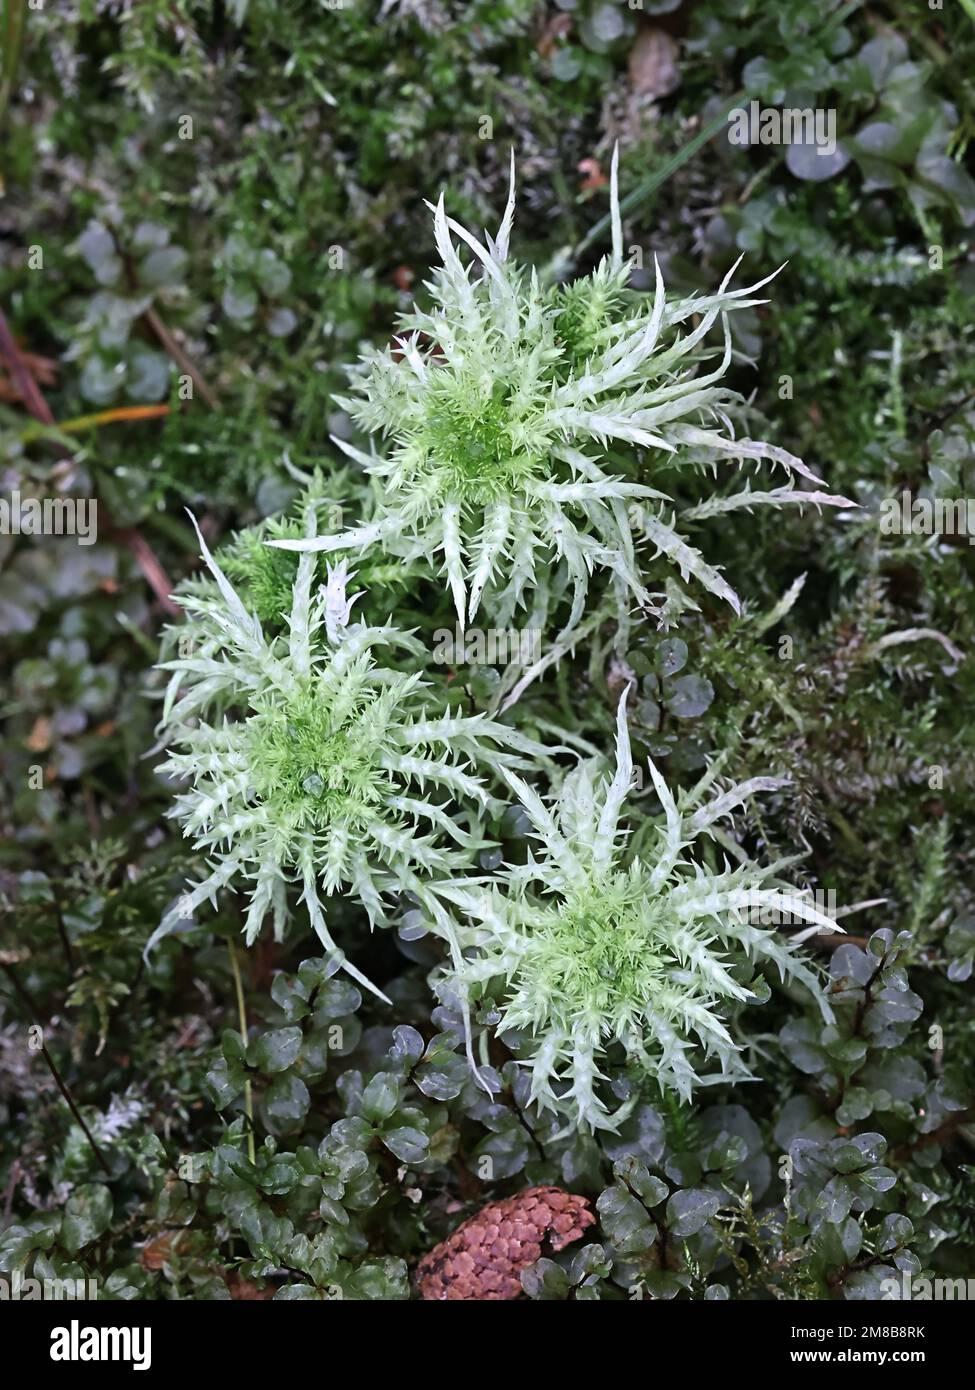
<point x="38" y="408"/>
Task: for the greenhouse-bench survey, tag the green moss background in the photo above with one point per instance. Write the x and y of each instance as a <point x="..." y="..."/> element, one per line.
<point x="206" y="210"/>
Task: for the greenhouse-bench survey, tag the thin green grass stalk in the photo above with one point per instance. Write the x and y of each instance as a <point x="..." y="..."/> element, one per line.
<point x="14" y="20"/>
<point x="242" y="1018"/>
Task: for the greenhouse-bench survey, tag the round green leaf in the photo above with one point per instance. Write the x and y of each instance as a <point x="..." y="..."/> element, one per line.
<point x="87" y="1215"/>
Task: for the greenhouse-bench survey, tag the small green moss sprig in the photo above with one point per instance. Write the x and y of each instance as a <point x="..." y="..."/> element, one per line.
<point x="500" y="404"/>
<point x="610" y="939"/>
<point x="264" y="575"/>
<point x="308" y="762"/>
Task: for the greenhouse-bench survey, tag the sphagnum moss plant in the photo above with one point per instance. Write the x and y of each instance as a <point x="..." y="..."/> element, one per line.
<point x="608" y="939"/>
<point x="499" y="404"/>
<point x="309" y="762"/>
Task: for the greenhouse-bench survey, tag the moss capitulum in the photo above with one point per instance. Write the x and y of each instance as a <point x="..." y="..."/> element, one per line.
<point x="595" y="954"/>
<point x="469" y="439"/>
<point x="311" y="769"/>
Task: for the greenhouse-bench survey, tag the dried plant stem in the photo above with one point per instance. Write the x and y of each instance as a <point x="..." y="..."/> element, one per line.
<point x="58" y="1078"/>
<point x="38" y="408"/>
<point x="182" y="359"/>
<point x="62" y="1087"/>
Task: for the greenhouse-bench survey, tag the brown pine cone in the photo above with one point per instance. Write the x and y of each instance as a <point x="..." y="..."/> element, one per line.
<point x="485" y="1256"/>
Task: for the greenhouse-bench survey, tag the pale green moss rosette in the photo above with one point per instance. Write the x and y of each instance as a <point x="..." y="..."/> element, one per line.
<point x="502" y="405"/>
<point x="309" y="763"/>
<point x="602" y="939"/>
